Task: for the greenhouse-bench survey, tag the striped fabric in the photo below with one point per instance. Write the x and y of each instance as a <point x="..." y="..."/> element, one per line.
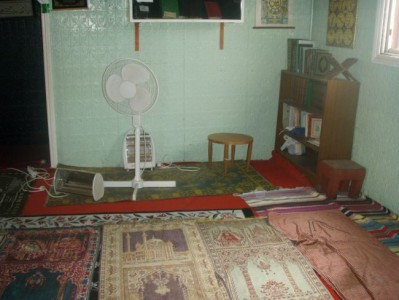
<point x="378" y="220"/>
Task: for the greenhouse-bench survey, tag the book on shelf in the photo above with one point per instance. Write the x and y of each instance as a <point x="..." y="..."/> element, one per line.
<point x="170" y="9"/>
<point x="296" y="60"/>
<point x="317" y="62"/>
<point x="299" y="87"/>
<point x="291" y="116"/>
<point x="184" y="9"/>
<point x="304" y="121"/>
<point x="146" y="9"/>
<point x="213" y="9"/>
<point x="231" y="9"/>
<point x="294" y="116"/>
<point x="314" y="126"/>
<point x="315" y="93"/>
<point x="195" y="9"/>
<point x="315" y="142"/>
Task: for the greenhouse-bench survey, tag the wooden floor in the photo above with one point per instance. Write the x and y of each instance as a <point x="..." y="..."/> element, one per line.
<point x="20" y="156"/>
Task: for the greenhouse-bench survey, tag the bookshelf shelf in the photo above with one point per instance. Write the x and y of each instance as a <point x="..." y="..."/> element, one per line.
<point x="333" y="101"/>
<point x="195" y="11"/>
<point x="180" y="11"/>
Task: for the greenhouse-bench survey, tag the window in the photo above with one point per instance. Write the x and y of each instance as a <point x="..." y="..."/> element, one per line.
<point x="386" y="46"/>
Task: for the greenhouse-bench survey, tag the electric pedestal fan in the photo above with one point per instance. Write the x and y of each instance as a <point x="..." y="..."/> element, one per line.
<point x="131" y="88"/>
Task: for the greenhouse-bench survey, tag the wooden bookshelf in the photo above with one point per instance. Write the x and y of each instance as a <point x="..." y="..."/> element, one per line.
<point x="185" y="11"/>
<point x="153" y="12"/>
<point x="335" y="101"/>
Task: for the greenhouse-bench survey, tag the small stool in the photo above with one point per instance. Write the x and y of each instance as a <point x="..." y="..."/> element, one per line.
<point x="228" y="139"/>
<point x="333" y="175"/>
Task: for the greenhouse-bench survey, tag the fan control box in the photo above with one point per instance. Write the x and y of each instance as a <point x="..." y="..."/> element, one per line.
<point x="147" y="151"/>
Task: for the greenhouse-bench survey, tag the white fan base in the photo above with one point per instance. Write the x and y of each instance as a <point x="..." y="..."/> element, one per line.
<point x="138" y="184"/>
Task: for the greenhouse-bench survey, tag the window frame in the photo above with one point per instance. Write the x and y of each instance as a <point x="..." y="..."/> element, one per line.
<point x="381" y="52"/>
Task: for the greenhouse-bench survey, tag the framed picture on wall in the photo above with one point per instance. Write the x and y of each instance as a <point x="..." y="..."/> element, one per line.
<point x="70" y="4"/>
<point x="273" y="14"/>
<point x="341" y="23"/>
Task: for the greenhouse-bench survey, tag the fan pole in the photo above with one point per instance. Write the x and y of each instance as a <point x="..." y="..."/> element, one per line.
<point x="137" y="181"/>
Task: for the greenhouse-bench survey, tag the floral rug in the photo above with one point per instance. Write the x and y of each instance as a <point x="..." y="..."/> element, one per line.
<point x="204" y="182"/>
<point x="203" y="259"/>
<point x="31" y="224"/>
<point x="48" y="263"/>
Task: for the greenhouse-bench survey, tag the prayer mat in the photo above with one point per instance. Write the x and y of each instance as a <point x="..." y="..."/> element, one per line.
<point x="204" y="182"/>
<point x="264" y="201"/>
<point x="65" y="221"/>
<point x="345" y="255"/>
<point x="48" y="263"/>
<point x="12" y="193"/>
<point x="193" y="259"/>
<point x="378" y="220"/>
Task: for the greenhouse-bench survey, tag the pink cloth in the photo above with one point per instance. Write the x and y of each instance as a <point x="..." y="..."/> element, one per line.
<point x="352" y="261"/>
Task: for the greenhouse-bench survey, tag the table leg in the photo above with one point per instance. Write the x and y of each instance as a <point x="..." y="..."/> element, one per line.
<point x="233" y="152"/>
<point x="226" y="158"/>
<point x="210" y="151"/>
<point x="249" y="153"/>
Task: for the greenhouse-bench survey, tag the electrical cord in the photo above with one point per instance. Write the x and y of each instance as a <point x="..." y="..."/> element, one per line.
<point x="166" y="165"/>
<point x="34" y="174"/>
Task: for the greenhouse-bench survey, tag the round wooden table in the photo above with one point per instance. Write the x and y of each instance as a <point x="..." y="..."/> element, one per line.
<point x="229" y="139"/>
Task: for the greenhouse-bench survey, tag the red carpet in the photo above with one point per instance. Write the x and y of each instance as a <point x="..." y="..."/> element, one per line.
<point x="276" y="170"/>
<point x="280" y="172"/>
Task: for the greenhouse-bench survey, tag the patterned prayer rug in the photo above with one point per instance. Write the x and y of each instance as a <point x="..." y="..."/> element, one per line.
<point x="193" y="259"/>
<point x="12" y="195"/>
<point x="98" y="220"/>
<point x="206" y="181"/>
<point x="47" y="263"/>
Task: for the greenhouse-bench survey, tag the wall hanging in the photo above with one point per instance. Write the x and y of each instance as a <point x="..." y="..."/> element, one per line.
<point x="273" y="14"/>
<point x="341" y="23"/>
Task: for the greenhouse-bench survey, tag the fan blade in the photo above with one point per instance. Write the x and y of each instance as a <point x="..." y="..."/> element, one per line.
<point x="142" y="101"/>
<point x="112" y="88"/>
<point x="127" y="89"/>
<point x="135" y="73"/>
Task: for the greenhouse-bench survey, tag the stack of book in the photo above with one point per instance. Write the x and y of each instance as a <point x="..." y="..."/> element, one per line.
<point x="311" y="123"/>
<point x="296" y="54"/>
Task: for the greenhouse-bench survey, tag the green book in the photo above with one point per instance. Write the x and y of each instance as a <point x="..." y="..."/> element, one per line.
<point x="170" y="9"/>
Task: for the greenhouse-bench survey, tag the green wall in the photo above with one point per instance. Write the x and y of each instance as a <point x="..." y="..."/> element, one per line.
<point x="202" y="89"/>
<point x="376" y="144"/>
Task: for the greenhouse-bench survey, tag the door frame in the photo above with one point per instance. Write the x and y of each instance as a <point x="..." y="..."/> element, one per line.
<point x="48" y="78"/>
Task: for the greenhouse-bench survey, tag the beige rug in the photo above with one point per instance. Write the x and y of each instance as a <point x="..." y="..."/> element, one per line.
<point x="198" y="259"/>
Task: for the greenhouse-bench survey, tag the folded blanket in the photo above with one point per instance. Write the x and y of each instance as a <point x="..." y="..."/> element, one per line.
<point x="352" y="261"/>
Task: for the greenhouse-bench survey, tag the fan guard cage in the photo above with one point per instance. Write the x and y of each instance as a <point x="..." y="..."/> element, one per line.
<point x="150" y="85"/>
